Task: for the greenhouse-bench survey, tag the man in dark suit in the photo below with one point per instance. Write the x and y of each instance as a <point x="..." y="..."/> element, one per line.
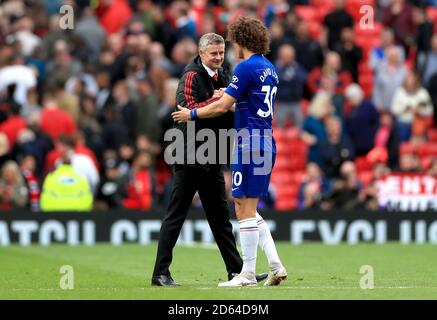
<point x="202" y="82"/>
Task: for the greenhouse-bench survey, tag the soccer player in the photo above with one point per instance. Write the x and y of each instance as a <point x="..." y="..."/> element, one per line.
<point x="252" y="90"/>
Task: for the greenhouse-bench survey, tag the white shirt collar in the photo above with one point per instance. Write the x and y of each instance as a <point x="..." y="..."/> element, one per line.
<point x="209" y="70"/>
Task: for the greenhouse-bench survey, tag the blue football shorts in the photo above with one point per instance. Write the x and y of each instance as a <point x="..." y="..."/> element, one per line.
<point x="251" y="172"/>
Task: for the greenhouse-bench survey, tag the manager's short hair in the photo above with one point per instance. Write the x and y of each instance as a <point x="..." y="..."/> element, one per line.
<point x="209" y="39"/>
<point x="250" y="33"/>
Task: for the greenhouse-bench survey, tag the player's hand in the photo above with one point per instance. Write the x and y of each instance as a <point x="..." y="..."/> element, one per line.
<point x="218" y="93"/>
<point x="183" y="115"/>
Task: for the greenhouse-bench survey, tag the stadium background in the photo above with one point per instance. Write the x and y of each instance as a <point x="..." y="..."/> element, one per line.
<point x="103" y="93"/>
<point x="108" y="84"/>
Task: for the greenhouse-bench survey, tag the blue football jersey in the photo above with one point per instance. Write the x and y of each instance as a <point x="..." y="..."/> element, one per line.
<point x="254" y="86"/>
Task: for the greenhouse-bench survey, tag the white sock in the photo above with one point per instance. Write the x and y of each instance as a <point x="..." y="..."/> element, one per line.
<point x="249" y="237"/>
<point x="267" y="244"/>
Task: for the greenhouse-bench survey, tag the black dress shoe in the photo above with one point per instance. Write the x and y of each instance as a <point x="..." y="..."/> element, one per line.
<point x="259" y="277"/>
<point x="164" y="281"/>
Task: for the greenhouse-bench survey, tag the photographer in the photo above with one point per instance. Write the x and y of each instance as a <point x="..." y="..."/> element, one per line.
<point x="411" y="104"/>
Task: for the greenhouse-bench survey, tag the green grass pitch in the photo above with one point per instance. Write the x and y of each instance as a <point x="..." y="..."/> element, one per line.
<point x="316" y="271"/>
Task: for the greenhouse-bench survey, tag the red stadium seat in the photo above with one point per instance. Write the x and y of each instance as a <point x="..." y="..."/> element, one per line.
<point x="314" y="30"/>
<point x="368" y="43"/>
<point x="406" y="148"/>
<point x="307" y="13"/>
<point x="281" y="177"/>
<point x="279" y="135"/>
<point x="319" y="3"/>
<point x="285" y="204"/>
<point x="426" y="162"/>
<point x="298" y="177"/>
<point x="354" y="6"/>
<point x="374" y="32"/>
<point x="292" y="134"/>
<point x="429" y="149"/>
<point x="366" y="83"/>
<point x="297" y="163"/>
<point x="432" y="135"/>
<point x="287" y="192"/>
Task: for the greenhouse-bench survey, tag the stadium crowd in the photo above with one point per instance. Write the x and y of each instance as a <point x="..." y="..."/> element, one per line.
<point x="356" y="101"/>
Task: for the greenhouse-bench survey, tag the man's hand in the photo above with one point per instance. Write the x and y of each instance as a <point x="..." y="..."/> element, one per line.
<point x="183" y="115"/>
<point x="218" y="93"/>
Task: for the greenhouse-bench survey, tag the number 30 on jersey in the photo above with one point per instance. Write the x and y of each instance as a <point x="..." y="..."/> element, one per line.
<point x="269" y="100"/>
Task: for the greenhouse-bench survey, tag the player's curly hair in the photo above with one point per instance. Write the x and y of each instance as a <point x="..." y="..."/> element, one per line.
<point x="251" y="34"/>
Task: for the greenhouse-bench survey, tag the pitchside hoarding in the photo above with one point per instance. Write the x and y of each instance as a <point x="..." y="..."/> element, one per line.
<point x="118" y="227"/>
<point x="407" y="192"/>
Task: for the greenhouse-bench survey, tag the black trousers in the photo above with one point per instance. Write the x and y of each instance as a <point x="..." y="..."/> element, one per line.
<point x="211" y="188"/>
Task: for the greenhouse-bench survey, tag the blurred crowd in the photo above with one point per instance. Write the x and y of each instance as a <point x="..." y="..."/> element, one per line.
<point x="92" y="103"/>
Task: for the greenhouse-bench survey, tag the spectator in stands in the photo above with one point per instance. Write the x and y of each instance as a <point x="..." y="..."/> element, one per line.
<point x="336" y="149"/>
<point x="328" y="86"/>
<point x="55" y="121"/>
<point x="334" y="22"/>
<point x="432" y="171"/>
<point x="179" y="25"/>
<point x="313" y="188"/>
<point x="80" y="158"/>
<point x="91" y="32"/>
<point x="137" y="186"/>
<point x="114" y="131"/>
<point x="361" y="121"/>
<point x="28" y="166"/>
<point x="65" y="189"/>
<point x="25" y="34"/>
<point x="389" y="76"/>
<point x="90" y="126"/>
<point x="13" y="126"/>
<point x="349" y="52"/>
<point x="313" y="129"/>
<point x="63" y="65"/>
<point x="274" y="10"/>
<point x="292" y="78"/>
<point x="39" y="146"/>
<point x="399" y="17"/>
<point x="369" y="193"/>
<point x="277" y="39"/>
<point x="346" y="190"/>
<point x="379" y="54"/>
<point x="8" y="103"/>
<point x="424" y="35"/>
<point x="167" y="107"/>
<point x="332" y="64"/>
<point x="125" y="107"/>
<point x="15" y="72"/>
<point x="147" y="121"/>
<point x="411" y="104"/>
<point x="113" y="14"/>
<point x="32" y="104"/>
<point x="431" y="62"/>
<point x="53" y="34"/>
<point x="409" y="162"/>
<point x="69" y="101"/>
<point x="432" y="90"/>
<point x="109" y="195"/>
<point x="387" y="137"/>
<point x="308" y="51"/>
<point x="13" y="190"/>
